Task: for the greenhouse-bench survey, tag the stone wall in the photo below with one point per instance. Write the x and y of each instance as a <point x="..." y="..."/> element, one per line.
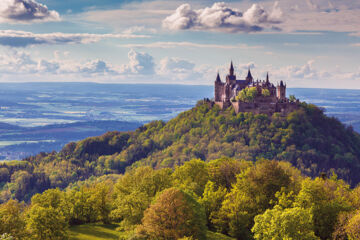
<point x="261" y="106"/>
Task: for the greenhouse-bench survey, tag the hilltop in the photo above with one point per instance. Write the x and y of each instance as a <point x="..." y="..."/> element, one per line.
<point x="307" y="138"/>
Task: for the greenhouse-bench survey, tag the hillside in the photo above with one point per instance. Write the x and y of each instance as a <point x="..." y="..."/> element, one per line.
<point x="311" y="141"/>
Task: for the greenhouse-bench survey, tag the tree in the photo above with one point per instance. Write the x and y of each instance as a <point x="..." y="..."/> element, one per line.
<point x="247" y="94"/>
<point x="326" y="198"/>
<point x="135" y="191"/>
<point x="12" y="219"/>
<point x="353" y="227"/>
<point x="175" y="214"/>
<point x="211" y="200"/>
<point x="279" y="224"/>
<point x="47" y="223"/>
<point x="253" y="193"/>
<point x="192" y="176"/>
<point x="223" y="171"/>
<point x="265" y="92"/>
<point x="292" y="98"/>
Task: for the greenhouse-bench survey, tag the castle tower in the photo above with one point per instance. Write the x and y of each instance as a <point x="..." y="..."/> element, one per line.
<point x="281" y="91"/>
<point x="218" y="88"/>
<point x="231" y="78"/>
<point x="249" y="77"/>
<point x="231" y="71"/>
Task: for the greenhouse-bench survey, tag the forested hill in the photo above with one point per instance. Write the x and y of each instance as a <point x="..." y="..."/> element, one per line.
<point x="311" y="141"/>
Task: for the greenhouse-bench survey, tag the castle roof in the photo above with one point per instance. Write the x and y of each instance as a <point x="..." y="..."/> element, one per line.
<point x="249" y="76"/>
<point x="218" y="78"/>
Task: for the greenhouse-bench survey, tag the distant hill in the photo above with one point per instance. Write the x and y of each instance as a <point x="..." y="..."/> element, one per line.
<point x="19" y="142"/>
<point x="307" y="138"/>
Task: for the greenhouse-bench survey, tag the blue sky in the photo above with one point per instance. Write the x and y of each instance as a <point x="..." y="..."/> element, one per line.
<point x="310" y="43"/>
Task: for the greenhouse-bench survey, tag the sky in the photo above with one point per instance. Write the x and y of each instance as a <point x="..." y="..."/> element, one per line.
<point x="307" y="43"/>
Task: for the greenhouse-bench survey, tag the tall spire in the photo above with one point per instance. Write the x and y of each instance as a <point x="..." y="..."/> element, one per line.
<point x="218" y="77"/>
<point x="267" y="77"/>
<point x="249" y="76"/>
<point x="231" y="69"/>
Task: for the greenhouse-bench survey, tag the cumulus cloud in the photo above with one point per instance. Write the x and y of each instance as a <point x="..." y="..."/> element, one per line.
<point x="220" y="17"/>
<point x="139" y="63"/>
<point x="14" y="38"/>
<point x="21" y="62"/>
<point x="25" y="11"/>
<point x="96" y="66"/>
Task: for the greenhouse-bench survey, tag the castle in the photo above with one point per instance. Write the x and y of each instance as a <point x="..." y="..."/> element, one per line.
<point x="252" y="96"/>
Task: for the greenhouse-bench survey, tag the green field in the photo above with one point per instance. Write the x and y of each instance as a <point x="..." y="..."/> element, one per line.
<point x="101" y="231"/>
<point x="94" y="232"/>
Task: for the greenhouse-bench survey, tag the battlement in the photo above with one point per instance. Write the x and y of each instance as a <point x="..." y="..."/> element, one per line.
<point x="247" y="95"/>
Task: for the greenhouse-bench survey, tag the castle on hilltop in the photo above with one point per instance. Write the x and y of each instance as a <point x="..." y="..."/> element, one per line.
<point x="248" y="95"/>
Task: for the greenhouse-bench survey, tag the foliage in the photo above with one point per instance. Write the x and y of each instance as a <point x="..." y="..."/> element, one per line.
<point x="265" y="92"/>
<point x="135" y="191"/>
<point x="247" y="94"/>
<point x="12" y="220"/>
<point x="326" y="198"/>
<point x="292" y="98"/>
<point x="175" y="214"/>
<point x="289" y="223"/>
<point x="252" y="194"/>
<point x="47" y="223"/>
<point x="192" y="176"/>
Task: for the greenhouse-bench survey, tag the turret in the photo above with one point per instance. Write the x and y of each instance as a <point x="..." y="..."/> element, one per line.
<point x="281" y="91"/>
<point x="231" y="78"/>
<point x="231" y="71"/>
<point x="218" y="78"/>
<point x="218" y="88"/>
<point x="249" y="77"/>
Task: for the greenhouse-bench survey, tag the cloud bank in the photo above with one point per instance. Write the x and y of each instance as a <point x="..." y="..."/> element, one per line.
<point x="14" y="38"/>
<point x="139" y="63"/>
<point x="219" y="17"/>
<point x="25" y="11"/>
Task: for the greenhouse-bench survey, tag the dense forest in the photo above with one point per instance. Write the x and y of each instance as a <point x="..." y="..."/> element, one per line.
<point x="307" y="138"/>
<point x="222" y="199"/>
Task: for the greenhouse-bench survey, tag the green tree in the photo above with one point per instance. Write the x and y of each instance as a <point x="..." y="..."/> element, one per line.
<point x="12" y="219"/>
<point x="292" y="98"/>
<point x="192" y="176"/>
<point x="223" y="171"/>
<point x="47" y="223"/>
<point x="211" y="200"/>
<point x="326" y="198"/>
<point x="175" y="214"/>
<point x="284" y="224"/>
<point x="247" y="94"/>
<point x="135" y="191"/>
<point x="253" y="193"/>
<point x="352" y="228"/>
<point x="265" y="92"/>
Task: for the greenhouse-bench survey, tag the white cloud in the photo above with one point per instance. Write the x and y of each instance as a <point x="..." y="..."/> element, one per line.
<point x="188" y="44"/>
<point x="139" y="63"/>
<point x="175" y="65"/>
<point x="220" y="17"/>
<point x="14" y="38"/>
<point x="320" y="15"/>
<point x="139" y="29"/>
<point x="25" y="11"/>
